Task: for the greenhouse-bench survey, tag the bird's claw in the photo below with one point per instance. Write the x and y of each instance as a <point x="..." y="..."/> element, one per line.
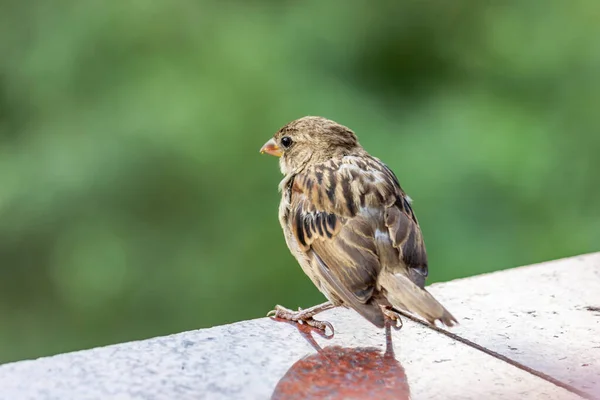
<point x="394" y="317"/>
<point x="301" y="318"/>
<point x="398" y="324"/>
<point x="281" y="312"/>
<point x="320" y="325"/>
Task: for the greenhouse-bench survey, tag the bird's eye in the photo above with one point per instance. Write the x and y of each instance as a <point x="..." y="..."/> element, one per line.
<point x="286" y="141"/>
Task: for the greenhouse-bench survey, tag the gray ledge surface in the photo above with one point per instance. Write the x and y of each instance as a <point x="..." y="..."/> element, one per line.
<point x="545" y="316"/>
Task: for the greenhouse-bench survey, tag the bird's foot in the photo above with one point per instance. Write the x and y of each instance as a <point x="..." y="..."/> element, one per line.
<point x="304" y="316"/>
<point x="392" y="316"/>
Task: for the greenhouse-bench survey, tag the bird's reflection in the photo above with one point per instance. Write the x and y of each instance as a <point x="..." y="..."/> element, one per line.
<point x="336" y="372"/>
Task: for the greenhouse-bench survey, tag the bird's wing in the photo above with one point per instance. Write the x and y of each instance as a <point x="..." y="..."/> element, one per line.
<point x="405" y="233"/>
<point x="340" y="211"/>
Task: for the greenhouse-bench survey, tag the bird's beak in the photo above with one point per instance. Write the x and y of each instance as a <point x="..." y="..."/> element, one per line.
<point x="271" y="148"/>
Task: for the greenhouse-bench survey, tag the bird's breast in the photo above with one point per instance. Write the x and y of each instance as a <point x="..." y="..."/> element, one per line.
<point x="307" y="263"/>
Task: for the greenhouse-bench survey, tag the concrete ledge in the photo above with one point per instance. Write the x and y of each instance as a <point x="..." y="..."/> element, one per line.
<point x="546" y="316"/>
<point x="543" y="316"/>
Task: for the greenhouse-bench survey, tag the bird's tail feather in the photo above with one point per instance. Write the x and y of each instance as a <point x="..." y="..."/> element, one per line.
<point x="402" y="293"/>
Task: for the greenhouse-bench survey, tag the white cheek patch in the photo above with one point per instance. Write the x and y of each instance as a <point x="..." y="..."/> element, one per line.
<point x="283" y="166"/>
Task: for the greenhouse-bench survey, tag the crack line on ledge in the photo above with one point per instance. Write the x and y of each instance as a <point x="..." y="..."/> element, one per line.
<point x="500" y="357"/>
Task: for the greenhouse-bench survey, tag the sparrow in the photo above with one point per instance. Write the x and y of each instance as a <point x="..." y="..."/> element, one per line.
<point x="350" y="226"/>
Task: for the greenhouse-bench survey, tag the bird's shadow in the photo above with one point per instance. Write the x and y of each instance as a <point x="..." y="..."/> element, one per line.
<point x="336" y="372"/>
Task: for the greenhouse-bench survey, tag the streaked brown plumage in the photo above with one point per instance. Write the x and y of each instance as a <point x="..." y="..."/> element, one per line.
<point x="350" y="225"/>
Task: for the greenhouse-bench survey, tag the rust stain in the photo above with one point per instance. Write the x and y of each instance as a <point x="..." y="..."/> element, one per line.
<point x="336" y="372"/>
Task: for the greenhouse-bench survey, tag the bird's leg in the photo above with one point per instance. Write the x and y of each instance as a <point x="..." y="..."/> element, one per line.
<point x="304" y="316"/>
<point x="393" y="316"/>
<point x="389" y="346"/>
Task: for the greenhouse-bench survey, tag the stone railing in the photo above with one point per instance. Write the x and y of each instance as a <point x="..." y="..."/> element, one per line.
<point x="526" y="333"/>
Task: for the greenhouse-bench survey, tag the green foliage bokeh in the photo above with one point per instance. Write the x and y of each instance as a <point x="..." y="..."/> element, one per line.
<point x="133" y="200"/>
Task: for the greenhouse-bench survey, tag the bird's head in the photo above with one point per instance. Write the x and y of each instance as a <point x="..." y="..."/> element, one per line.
<point x="310" y="140"/>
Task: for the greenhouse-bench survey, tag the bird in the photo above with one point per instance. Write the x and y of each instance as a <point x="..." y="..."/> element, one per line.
<point x="350" y="226"/>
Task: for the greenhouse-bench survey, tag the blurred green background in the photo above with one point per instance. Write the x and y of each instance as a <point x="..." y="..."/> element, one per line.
<point x="133" y="199"/>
